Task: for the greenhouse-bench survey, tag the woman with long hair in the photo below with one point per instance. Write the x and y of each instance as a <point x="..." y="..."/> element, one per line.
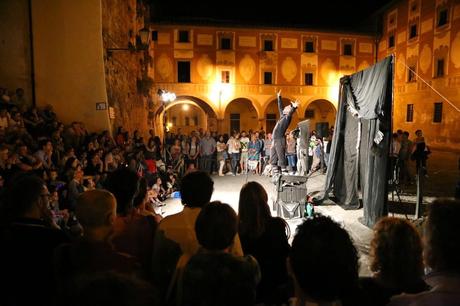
<point x="266" y="238"/>
<point x="395" y="260"/>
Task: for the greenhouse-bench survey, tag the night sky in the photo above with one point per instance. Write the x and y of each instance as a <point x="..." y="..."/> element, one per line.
<point x="327" y="14"/>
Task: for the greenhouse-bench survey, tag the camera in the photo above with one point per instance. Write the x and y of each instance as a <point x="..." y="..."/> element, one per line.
<point x="296" y="133"/>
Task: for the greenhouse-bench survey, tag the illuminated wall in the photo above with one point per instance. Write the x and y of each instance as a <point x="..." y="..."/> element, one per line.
<point x="425" y="36"/>
<point x="234" y="64"/>
<point x="69" y="66"/>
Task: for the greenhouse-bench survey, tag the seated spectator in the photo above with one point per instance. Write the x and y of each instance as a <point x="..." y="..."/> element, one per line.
<point x="44" y="155"/>
<point x="134" y="233"/>
<point x="176" y="233"/>
<point x="213" y="276"/>
<point x="396" y="260"/>
<point x="142" y="202"/>
<point x="324" y="263"/>
<point x="442" y="246"/>
<point x="92" y="253"/>
<point x="4" y="121"/>
<point x="28" y="238"/>
<point x="264" y="237"/>
<point x="111" y="288"/>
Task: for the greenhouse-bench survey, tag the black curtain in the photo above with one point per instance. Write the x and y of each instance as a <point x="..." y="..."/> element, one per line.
<point x="359" y="151"/>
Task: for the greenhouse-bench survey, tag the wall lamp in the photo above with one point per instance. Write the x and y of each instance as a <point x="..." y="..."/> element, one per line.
<point x="166" y="96"/>
<point x="142" y="43"/>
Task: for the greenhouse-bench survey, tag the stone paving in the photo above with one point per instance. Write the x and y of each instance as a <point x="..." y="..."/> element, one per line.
<point x="443" y="175"/>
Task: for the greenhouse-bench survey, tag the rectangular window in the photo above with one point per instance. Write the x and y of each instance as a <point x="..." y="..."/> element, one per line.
<point x="309" y="114"/>
<point x="391" y="41"/>
<point x="174" y="121"/>
<point x="410" y="113"/>
<point x="309" y="78"/>
<point x="440" y="68"/>
<point x="411" y="74"/>
<point x="270" y="121"/>
<point x="437" y="116"/>
<point x="268" y="78"/>
<point x="187" y="121"/>
<point x="347" y="49"/>
<point x="195" y="121"/>
<point x="413" y="31"/>
<point x="183" y="36"/>
<point x="234" y="123"/>
<point x="225" y="77"/>
<point x="268" y="45"/>
<point x="183" y="72"/>
<point x="225" y="43"/>
<point x="309" y="47"/>
<point x="443" y="17"/>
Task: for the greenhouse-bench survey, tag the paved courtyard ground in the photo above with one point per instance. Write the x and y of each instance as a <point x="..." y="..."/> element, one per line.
<point x="443" y="174"/>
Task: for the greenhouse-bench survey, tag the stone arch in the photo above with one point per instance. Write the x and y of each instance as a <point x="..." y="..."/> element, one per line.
<point x="209" y="115"/>
<point x="248" y="115"/>
<point x="321" y="113"/>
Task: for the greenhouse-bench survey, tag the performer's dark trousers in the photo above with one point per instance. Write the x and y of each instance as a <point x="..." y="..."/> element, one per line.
<point x="278" y="153"/>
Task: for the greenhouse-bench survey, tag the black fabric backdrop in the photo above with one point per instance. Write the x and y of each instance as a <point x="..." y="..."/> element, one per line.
<point x="358" y="160"/>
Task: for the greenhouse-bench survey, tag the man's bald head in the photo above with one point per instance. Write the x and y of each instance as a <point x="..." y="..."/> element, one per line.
<point x="96" y="208"/>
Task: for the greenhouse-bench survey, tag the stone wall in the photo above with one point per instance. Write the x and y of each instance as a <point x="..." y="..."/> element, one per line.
<point x="121" y="21"/>
<point x="15" y="55"/>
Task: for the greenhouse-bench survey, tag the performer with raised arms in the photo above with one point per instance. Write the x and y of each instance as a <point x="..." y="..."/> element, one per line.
<point x="278" y="150"/>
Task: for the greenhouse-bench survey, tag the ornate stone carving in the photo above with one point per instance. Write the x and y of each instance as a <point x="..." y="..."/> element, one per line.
<point x="247" y="67"/>
<point x="425" y="58"/>
<point x="205" y="67"/>
<point x="164" y="67"/>
<point x="455" y="51"/>
<point x="289" y="69"/>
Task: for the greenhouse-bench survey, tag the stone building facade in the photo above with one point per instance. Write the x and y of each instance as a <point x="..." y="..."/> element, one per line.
<point x="424" y="36"/>
<point x="230" y="75"/>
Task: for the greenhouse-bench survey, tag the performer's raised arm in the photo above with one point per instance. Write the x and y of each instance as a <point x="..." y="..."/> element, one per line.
<point x="280" y="102"/>
<point x="294" y="106"/>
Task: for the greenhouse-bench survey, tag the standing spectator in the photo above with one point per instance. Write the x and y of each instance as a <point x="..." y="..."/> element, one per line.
<point x="254" y="150"/>
<point x="267" y="148"/>
<point x="193" y="152"/>
<point x="291" y="152"/>
<point x="221" y="154"/>
<point x="176" y="236"/>
<point x="207" y="146"/>
<point x="420" y="153"/>
<point x="265" y="238"/>
<point x="441" y="249"/>
<point x="396" y="261"/>
<point x="395" y="147"/>
<point x="244" y="142"/>
<point x="234" y="146"/>
<point x="404" y="155"/>
<point x="214" y="276"/>
<point x="324" y="263"/>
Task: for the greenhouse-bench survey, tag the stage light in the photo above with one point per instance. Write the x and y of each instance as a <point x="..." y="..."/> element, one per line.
<point x="185" y="107"/>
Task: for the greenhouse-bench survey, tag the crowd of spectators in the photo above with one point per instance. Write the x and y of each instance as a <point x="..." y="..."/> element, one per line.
<point x="79" y="225"/>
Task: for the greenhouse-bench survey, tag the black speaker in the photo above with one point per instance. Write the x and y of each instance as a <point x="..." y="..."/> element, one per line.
<point x="154" y="35"/>
<point x="304" y="137"/>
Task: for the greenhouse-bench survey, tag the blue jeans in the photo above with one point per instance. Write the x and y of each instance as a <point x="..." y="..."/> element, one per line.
<point x="235" y="161"/>
<point x="292" y="161"/>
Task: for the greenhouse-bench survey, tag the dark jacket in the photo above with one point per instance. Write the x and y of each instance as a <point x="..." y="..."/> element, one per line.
<point x="283" y="123"/>
<point x="26" y="262"/>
